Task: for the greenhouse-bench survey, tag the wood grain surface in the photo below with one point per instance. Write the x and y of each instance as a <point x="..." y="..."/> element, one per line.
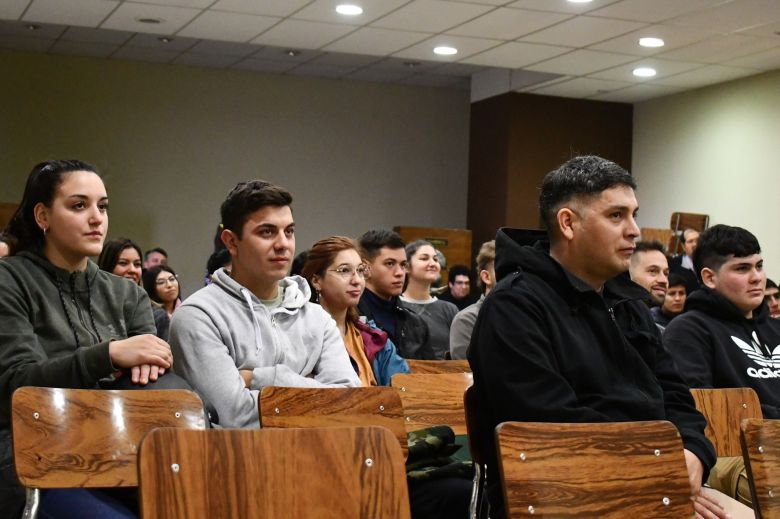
<point x="285" y="407"/>
<point x="318" y="473"/>
<point x="89" y="438"/>
<point x="760" y="441"/>
<point x="724" y="410"/>
<point x="419" y="367"/>
<point x="612" y="470"/>
<point x="433" y="399"/>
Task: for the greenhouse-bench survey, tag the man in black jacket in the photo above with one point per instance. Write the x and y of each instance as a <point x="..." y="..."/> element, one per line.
<point x="562" y="339"/>
<point x="726" y="338"/>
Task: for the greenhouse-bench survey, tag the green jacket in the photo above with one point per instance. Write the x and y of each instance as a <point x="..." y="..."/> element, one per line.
<point x="55" y="326"/>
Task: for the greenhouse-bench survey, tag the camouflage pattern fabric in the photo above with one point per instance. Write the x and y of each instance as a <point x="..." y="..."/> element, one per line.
<point x="435" y="453"/>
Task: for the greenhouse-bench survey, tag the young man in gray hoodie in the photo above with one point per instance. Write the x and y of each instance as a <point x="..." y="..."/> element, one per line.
<point x="254" y="326"/>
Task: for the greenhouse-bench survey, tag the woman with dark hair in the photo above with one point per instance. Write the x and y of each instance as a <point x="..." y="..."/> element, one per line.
<point x="336" y="272"/>
<point x="421" y="272"/>
<point x="65" y="322"/>
<point x="122" y="256"/>
<point x="162" y="285"/>
<point x="772" y="298"/>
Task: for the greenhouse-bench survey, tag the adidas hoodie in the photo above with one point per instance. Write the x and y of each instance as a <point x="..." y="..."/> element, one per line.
<point x="715" y="346"/>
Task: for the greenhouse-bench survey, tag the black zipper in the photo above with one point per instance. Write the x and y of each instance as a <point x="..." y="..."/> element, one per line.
<point x="92" y="335"/>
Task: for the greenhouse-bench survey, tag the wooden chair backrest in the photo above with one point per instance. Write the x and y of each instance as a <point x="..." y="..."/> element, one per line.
<point x="760" y="440"/>
<point x="606" y="470"/>
<point x="433" y="399"/>
<point x="724" y="410"/>
<point x="333" y="472"/>
<point x="419" y="367"/>
<point x="473" y="421"/>
<point x="66" y="438"/>
<point x="285" y="407"/>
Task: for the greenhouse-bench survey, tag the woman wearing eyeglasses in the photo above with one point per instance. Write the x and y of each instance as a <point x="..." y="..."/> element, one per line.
<point x="161" y="284"/>
<point x="336" y="271"/>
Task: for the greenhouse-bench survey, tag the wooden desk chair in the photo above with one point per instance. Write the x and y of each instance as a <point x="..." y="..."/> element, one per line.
<point x="478" y="507"/>
<point x="608" y="470"/>
<point x="284" y="407"/>
<point x="760" y="440"/>
<point x="438" y="366"/>
<point x="323" y="473"/>
<point x="433" y="399"/>
<point x="69" y="438"/>
<point x="724" y="410"/>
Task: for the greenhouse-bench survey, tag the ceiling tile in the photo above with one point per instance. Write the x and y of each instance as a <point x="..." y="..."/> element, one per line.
<point x="637" y="93"/>
<point x="218" y="25"/>
<point x="733" y="15"/>
<point x="433" y="80"/>
<point x="81" y="48"/>
<point x="126" y="17"/>
<point x="88" y="13"/>
<point x="325" y="11"/>
<point x="581" y="62"/>
<point x="519" y="79"/>
<point x="42" y="31"/>
<point x="153" y="41"/>
<point x="90" y="35"/>
<point x="580" y="87"/>
<point x="149" y="54"/>
<point x="264" y="65"/>
<point x="380" y="75"/>
<point x="197" y="4"/>
<point x="26" y="44"/>
<point x="344" y="60"/>
<point x="458" y="69"/>
<point x="516" y="54"/>
<point x="582" y="31"/>
<point x="559" y="6"/>
<point x="495" y="3"/>
<point x="466" y="47"/>
<point x="720" y="48"/>
<point x="674" y="36"/>
<point x="266" y="7"/>
<point x="771" y="30"/>
<point x="224" y="48"/>
<point x="205" y="60"/>
<point x="327" y="71"/>
<point x="706" y="76"/>
<point x="767" y="60"/>
<point x="430" y="16"/>
<point x="12" y="9"/>
<point x="302" y="34"/>
<point x="507" y="24"/>
<point x="379" y="42"/>
<point x="415" y="66"/>
<point x="651" y="11"/>
<point x="664" y="68"/>
<point x="284" y="54"/>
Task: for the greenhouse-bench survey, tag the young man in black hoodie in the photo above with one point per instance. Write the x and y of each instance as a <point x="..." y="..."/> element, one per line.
<point x="562" y="339"/>
<point x="726" y="338"/>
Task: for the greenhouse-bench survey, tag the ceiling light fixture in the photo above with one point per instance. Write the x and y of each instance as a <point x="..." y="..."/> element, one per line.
<point x="651" y="42"/>
<point x="292" y="52"/>
<point x="444" y="50"/>
<point x="349" y="9"/>
<point x="165" y="39"/>
<point x="32" y="27"/>
<point x="411" y="64"/>
<point x="152" y="21"/>
<point x="644" y="72"/>
<point x="580" y="1"/>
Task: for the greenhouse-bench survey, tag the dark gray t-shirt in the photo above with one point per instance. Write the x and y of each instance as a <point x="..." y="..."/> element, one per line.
<point x="438" y="316"/>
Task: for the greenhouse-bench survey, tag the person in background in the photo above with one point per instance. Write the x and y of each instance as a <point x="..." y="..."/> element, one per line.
<point x="122" y="257"/>
<point x="162" y="285"/>
<point x="683" y="263"/>
<point x="218" y="259"/>
<point x="649" y="269"/>
<point x="66" y="323"/>
<point x="772" y="298"/>
<point x="422" y="271"/>
<point x="336" y="271"/>
<point x="459" y="287"/>
<point x="463" y="323"/>
<point x="154" y="257"/>
<point x="674" y="302"/>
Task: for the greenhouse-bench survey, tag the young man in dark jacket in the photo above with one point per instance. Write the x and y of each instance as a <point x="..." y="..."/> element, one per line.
<point x="562" y="339"/>
<point x="726" y="338"/>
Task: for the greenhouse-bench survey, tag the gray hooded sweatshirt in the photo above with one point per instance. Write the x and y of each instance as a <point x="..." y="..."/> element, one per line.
<point x="224" y="328"/>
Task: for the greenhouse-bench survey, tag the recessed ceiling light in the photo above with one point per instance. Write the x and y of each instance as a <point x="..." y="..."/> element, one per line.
<point x="349" y="9"/>
<point x="292" y="52"/>
<point x="32" y="27"/>
<point x="644" y="72"/>
<point x="165" y="39"/>
<point x="651" y="42"/>
<point x="443" y="50"/>
<point x="149" y="20"/>
<point x="411" y="64"/>
<point x="580" y="1"/>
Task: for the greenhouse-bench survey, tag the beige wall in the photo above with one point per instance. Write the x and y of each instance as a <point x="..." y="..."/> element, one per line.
<point x="714" y="150"/>
<point x="173" y="140"/>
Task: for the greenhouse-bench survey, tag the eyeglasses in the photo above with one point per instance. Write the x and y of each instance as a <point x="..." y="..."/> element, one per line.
<point x="347" y="272"/>
<point x="162" y="282"/>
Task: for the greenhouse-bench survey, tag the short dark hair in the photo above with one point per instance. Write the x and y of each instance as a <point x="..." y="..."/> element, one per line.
<point x="719" y="242"/>
<point x="676" y="280"/>
<point x="372" y="241"/>
<point x="645" y="246"/>
<point x="458" y="270"/>
<point x="486" y="256"/>
<point x="584" y="176"/>
<point x="246" y="198"/>
<point x="770" y="283"/>
<point x="109" y="256"/>
<point x="159" y="250"/>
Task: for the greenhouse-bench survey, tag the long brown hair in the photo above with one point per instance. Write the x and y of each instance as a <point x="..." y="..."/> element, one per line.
<point x="320" y="257"/>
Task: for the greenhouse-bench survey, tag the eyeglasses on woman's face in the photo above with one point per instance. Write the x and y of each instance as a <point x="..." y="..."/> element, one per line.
<point x="346" y="271"/>
<point x="161" y="282"/>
